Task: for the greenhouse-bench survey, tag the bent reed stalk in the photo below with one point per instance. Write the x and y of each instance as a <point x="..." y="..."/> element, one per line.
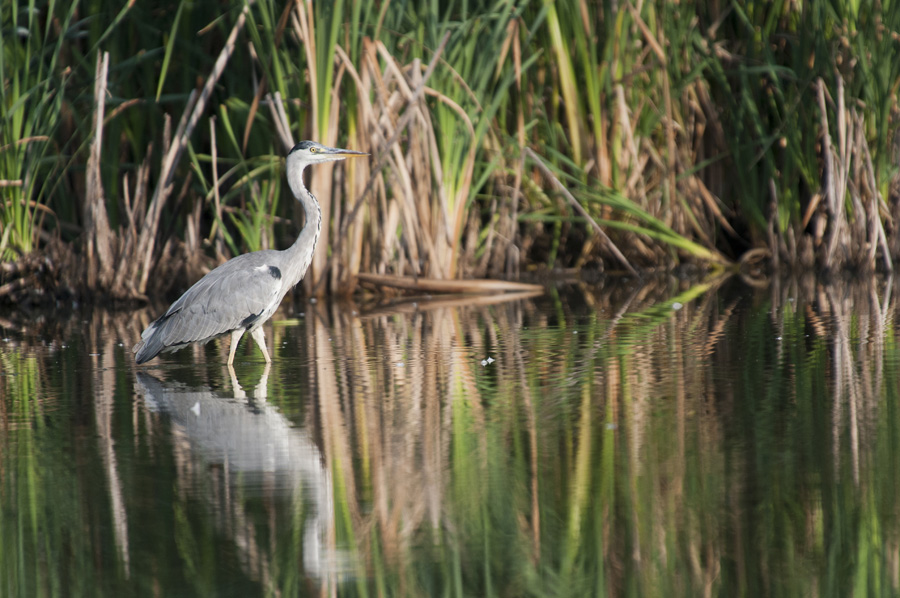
<point x="718" y="136"/>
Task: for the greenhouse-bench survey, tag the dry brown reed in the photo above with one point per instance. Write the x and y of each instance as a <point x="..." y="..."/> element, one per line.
<point x="430" y="220"/>
<point x="853" y="237"/>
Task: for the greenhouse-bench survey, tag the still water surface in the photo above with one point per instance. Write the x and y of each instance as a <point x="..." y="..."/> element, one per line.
<point x="646" y="441"/>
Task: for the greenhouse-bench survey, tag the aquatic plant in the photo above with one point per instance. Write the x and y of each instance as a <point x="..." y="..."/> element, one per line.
<point x="33" y="80"/>
<point x="504" y="134"/>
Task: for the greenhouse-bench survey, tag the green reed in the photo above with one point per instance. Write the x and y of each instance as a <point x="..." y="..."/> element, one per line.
<point x="33" y="80"/>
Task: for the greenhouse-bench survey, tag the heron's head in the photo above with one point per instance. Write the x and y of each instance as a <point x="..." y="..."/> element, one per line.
<point x="310" y="152"/>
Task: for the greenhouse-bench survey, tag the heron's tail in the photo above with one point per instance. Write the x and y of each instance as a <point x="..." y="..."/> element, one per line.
<point x="150" y="345"/>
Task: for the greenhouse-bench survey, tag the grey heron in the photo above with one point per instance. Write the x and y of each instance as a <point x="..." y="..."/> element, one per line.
<point x="241" y="294"/>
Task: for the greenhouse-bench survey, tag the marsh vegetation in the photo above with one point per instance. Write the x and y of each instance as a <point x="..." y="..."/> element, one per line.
<point x="143" y="143"/>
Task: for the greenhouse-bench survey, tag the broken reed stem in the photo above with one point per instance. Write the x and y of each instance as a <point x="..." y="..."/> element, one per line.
<point x="184" y="132"/>
<point x="98" y="251"/>
<point x="828" y="176"/>
<point x="280" y="120"/>
<point x="877" y="202"/>
<point x="557" y="184"/>
<point x="220" y="237"/>
<point x="151" y="220"/>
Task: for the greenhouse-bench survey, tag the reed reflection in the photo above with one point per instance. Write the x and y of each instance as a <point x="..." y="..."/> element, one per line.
<point x="404" y="394"/>
<point x="669" y="440"/>
<point x="610" y="450"/>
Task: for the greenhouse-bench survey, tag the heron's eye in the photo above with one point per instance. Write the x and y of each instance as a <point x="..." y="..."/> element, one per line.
<point x="314" y="150"/>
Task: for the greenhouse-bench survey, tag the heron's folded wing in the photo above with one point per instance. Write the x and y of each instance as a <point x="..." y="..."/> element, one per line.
<point x="225" y="299"/>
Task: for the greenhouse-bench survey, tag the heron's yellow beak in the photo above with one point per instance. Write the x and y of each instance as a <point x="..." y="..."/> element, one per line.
<point x="342" y="153"/>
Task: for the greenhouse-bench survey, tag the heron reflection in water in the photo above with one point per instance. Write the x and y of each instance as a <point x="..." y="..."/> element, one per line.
<point x="242" y="294"/>
<point x="261" y="452"/>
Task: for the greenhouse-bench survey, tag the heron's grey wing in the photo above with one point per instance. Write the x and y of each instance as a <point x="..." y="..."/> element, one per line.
<point x="235" y="295"/>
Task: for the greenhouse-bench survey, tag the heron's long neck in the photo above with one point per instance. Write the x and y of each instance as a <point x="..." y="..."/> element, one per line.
<point x="301" y="252"/>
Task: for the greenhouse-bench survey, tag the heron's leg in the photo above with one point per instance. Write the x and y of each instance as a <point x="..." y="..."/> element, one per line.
<point x="235" y="337"/>
<point x="260" y="337"/>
